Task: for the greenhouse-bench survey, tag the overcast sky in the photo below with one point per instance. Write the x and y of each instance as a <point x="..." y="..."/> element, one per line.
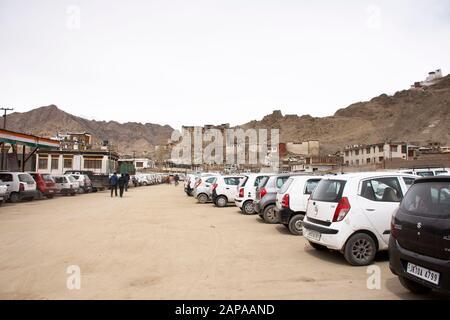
<point x="201" y="62"/>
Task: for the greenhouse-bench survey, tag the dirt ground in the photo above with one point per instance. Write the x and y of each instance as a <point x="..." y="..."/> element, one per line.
<point x="157" y="243"/>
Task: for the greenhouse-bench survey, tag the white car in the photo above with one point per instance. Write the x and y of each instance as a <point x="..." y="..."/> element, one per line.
<point x="352" y="213"/>
<point x="85" y="184"/>
<point x="224" y="190"/>
<point x="66" y="184"/>
<point x="247" y="191"/>
<point x="202" y="188"/>
<point x="3" y="192"/>
<point x="20" y="185"/>
<point x="424" y="172"/>
<point x="292" y="201"/>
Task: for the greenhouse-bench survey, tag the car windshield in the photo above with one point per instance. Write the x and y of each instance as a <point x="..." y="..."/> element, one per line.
<point x="6" y="177"/>
<point x="428" y="199"/>
<point x="329" y="190"/>
<point x="286" y="185"/>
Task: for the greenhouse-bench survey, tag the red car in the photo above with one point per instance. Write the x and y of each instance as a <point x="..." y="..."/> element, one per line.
<point x="45" y="185"/>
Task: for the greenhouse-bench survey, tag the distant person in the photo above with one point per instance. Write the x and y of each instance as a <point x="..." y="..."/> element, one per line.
<point x="177" y="179"/>
<point x="121" y="182"/>
<point x="113" y="181"/>
<point x="127" y="181"/>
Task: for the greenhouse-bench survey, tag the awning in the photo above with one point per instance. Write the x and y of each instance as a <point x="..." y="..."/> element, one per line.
<point x="12" y="137"/>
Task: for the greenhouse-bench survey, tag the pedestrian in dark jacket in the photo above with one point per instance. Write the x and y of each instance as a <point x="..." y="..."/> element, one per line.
<point x="113" y="181"/>
<point x="127" y="181"/>
<point x="121" y="182"/>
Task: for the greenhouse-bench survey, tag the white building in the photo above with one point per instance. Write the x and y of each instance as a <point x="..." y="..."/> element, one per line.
<point x="58" y="162"/>
<point x="374" y="153"/>
<point x="139" y="163"/>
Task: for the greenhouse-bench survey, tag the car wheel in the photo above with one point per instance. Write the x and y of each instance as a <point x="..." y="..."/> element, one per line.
<point x="202" y="198"/>
<point x="296" y="224"/>
<point x="360" y="250"/>
<point x="269" y="214"/>
<point x="413" y="286"/>
<point x="221" y="201"/>
<point x="248" y="208"/>
<point x="14" y="197"/>
<point x="317" y="246"/>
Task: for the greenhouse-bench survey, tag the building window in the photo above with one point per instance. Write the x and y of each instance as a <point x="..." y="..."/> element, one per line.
<point x="92" y="163"/>
<point x="43" y="163"/>
<point x="346" y="153"/>
<point x="380" y="148"/>
<point x="368" y="160"/>
<point x="357" y="162"/>
<point x="380" y="159"/>
<point x="394" y="148"/>
<point x="368" y="150"/>
<point x="55" y="163"/>
<point x="356" y="152"/>
<point x="68" y="163"/>
<point x="139" y="164"/>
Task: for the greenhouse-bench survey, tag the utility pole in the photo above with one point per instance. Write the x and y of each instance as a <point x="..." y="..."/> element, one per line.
<point x="4" y="115"/>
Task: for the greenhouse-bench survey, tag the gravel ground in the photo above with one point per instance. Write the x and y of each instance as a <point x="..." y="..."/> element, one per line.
<point x="157" y="243"/>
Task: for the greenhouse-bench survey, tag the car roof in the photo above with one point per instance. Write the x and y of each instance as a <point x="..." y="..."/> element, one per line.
<point x="304" y="177"/>
<point x="363" y="175"/>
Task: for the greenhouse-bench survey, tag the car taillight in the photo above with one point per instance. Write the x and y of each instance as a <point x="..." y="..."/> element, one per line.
<point x="342" y="209"/>
<point x="395" y="228"/>
<point x="241" y="192"/>
<point x="262" y="192"/>
<point x="285" y="201"/>
<point x="21" y="187"/>
<point x="214" y="186"/>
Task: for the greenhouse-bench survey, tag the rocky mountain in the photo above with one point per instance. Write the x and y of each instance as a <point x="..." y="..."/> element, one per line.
<point x="417" y="116"/>
<point x="130" y="136"/>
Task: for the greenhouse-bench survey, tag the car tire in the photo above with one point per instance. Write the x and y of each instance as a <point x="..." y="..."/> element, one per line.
<point x="269" y="214"/>
<point x="360" y="250"/>
<point x="296" y="224"/>
<point x="413" y="286"/>
<point x="317" y="246"/>
<point x="202" y="198"/>
<point x="221" y="201"/>
<point x="14" y="197"/>
<point x="248" y="208"/>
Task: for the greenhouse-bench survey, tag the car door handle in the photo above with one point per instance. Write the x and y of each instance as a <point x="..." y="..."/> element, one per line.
<point x="370" y="209"/>
<point x="228" y="188"/>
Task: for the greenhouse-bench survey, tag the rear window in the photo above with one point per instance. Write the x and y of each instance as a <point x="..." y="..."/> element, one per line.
<point x="232" y="181"/>
<point x="76" y="177"/>
<point x="329" y="191"/>
<point x="211" y="180"/>
<point x="408" y="181"/>
<point x="243" y="181"/>
<point x="60" y="180"/>
<point x="425" y="173"/>
<point x="71" y="179"/>
<point x="5" y="177"/>
<point x="439" y="172"/>
<point x="286" y="185"/>
<point x="258" y="180"/>
<point x="281" y="181"/>
<point x="428" y="199"/>
<point x="311" y="185"/>
<point x="47" y="177"/>
<point x="263" y="182"/>
<point x="26" y="178"/>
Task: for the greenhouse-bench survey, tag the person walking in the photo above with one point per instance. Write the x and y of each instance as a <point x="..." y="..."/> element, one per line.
<point x="121" y="182"/>
<point x="127" y="181"/>
<point x="177" y="179"/>
<point x="113" y="184"/>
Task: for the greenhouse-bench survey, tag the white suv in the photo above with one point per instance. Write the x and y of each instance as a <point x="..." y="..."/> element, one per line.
<point x="352" y="213"/>
<point x="247" y="192"/>
<point x="292" y="200"/>
<point x="3" y="192"/>
<point x="224" y="190"/>
<point x="20" y="185"/>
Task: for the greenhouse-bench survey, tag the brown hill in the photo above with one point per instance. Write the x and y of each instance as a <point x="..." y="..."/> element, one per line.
<point x="417" y="116"/>
<point x="47" y="121"/>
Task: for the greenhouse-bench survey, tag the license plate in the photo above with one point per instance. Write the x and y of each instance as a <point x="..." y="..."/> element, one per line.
<point x="50" y="191"/>
<point x="423" y="273"/>
<point x="314" y="235"/>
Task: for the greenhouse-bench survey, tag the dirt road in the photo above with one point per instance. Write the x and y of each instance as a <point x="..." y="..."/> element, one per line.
<point x="156" y="243"/>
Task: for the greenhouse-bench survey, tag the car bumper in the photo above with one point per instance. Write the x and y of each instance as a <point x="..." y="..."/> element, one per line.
<point x="399" y="258"/>
<point x="283" y="215"/>
<point x="333" y="236"/>
<point x="257" y="207"/>
<point x="238" y="202"/>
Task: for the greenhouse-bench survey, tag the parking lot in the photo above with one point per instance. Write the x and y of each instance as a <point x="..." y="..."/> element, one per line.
<point x="157" y="243"/>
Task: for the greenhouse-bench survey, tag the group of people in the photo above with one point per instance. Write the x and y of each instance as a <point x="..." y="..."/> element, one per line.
<point x="120" y="182"/>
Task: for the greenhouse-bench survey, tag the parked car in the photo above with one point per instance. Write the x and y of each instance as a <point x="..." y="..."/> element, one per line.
<point x="85" y="184"/>
<point x="419" y="247"/>
<point x="189" y="184"/>
<point x="266" y="196"/>
<point x="202" y="188"/>
<point x="66" y="184"/>
<point x="21" y="185"/>
<point x="224" y="190"/>
<point x="427" y="172"/>
<point x="352" y="213"/>
<point x="45" y="185"/>
<point x="247" y="191"/>
<point x="3" y="192"/>
<point x="292" y="200"/>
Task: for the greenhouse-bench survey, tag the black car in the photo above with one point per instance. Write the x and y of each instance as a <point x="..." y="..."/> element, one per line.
<point x="419" y="246"/>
